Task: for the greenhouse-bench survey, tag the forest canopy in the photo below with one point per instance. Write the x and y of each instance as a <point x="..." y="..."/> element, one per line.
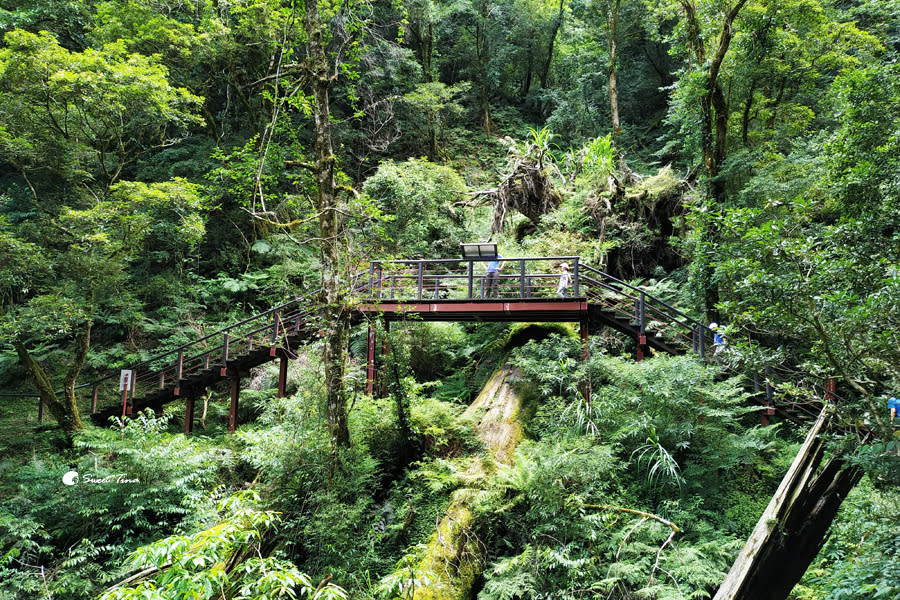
<point x="169" y="168"/>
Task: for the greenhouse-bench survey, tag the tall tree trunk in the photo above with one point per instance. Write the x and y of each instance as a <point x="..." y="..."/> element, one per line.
<point x="421" y="29"/>
<point x="557" y="23"/>
<point x="65" y="409"/>
<point x="612" y="20"/>
<point x="482" y="53"/>
<point x="427" y="53"/>
<point x="713" y="132"/>
<point x="335" y="314"/>
<point x="713" y="107"/>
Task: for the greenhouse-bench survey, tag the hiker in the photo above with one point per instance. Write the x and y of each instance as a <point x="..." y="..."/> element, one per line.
<point x="894" y="407"/>
<point x="718" y="338"/>
<point x="493" y="273"/>
<point x="565" y="280"/>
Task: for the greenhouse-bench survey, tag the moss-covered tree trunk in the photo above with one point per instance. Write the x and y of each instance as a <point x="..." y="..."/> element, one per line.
<point x="65" y="409"/>
<point x="335" y="314"/>
<point x="713" y="130"/>
<point x="454" y="557"/>
<point x="612" y="20"/>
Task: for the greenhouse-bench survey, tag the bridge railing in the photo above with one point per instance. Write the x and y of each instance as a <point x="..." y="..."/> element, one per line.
<point x="269" y="329"/>
<point x="530" y="278"/>
<point x="465" y="279"/>
<point x="646" y="312"/>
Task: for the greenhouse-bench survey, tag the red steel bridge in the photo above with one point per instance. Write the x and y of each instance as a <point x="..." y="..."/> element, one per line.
<point x="429" y="290"/>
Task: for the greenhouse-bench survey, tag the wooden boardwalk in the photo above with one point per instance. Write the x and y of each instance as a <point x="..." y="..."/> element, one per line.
<point x="526" y="290"/>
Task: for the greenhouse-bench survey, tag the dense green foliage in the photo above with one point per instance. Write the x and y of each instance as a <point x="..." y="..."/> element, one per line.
<point x="164" y="171"/>
<point x="594" y="502"/>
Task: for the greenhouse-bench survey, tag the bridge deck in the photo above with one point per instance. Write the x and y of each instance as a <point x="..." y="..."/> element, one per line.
<point x="494" y="309"/>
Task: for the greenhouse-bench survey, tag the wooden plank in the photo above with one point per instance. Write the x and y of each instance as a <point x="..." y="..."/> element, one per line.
<point x="791" y="486"/>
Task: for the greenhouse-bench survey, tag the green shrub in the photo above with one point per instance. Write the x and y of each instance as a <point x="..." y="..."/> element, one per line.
<point x="129" y="486"/>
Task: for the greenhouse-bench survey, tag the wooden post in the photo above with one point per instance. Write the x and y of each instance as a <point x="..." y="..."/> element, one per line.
<point x="370" y="360"/>
<point x="232" y="412"/>
<point x="94" y="398"/>
<point x="125" y="403"/>
<point x="282" y="376"/>
<point x="421" y="274"/>
<point x="522" y="278"/>
<point x="276" y="326"/>
<point x="763" y="415"/>
<point x="188" y="416"/>
<point x="380" y="281"/>
<point x="179" y="368"/>
<point x="575" y="278"/>
<point x="385" y="350"/>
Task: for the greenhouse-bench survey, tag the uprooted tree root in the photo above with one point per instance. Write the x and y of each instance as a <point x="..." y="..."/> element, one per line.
<point x="528" y="189"/>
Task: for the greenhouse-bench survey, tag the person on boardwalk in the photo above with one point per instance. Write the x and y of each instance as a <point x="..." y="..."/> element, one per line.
<point x="565" y="280"/>
<point x="718" y="339"/>
<point x="893" y="407"/>
<point x="493" y="273"/>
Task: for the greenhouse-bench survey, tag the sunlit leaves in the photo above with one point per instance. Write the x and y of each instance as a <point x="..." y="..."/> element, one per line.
<point x="203" y="565"/>
<point x="418" y="198"/>
<point x="84" y="114"/>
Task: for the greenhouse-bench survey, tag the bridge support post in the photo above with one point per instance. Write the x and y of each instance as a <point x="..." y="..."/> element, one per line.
<point x="385" y="350"/>
<point x="282" y="375"/>
<point x="189" y="416"/>
<point x="370" y="360"/>
<point x="830" y="388"/>
<point x="641" y="345"/>
<point x="586" y="384"/>
<point x="232" y="412"/>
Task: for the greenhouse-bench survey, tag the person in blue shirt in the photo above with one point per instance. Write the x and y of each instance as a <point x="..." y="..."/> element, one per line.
<point x="493" y="273"/>
<point x="718" y="338"/>
<point x="894" y="407"/>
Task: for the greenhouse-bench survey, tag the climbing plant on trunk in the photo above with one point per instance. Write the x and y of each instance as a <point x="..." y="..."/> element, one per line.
<point x="335" y="312"/>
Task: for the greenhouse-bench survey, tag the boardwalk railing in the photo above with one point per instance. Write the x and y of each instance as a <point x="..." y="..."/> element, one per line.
<point x="648" y="313"/>
<point x="457" y="279"/>
<point x="531" y="278"/>
<point x="267" y="330"/>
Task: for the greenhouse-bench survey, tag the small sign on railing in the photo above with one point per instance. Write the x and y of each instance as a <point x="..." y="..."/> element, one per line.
<point x="126" y="380"/>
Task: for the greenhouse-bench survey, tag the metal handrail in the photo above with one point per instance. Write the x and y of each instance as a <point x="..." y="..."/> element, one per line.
<point x="384" y="276"/>
<point x="650" y="296"/>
